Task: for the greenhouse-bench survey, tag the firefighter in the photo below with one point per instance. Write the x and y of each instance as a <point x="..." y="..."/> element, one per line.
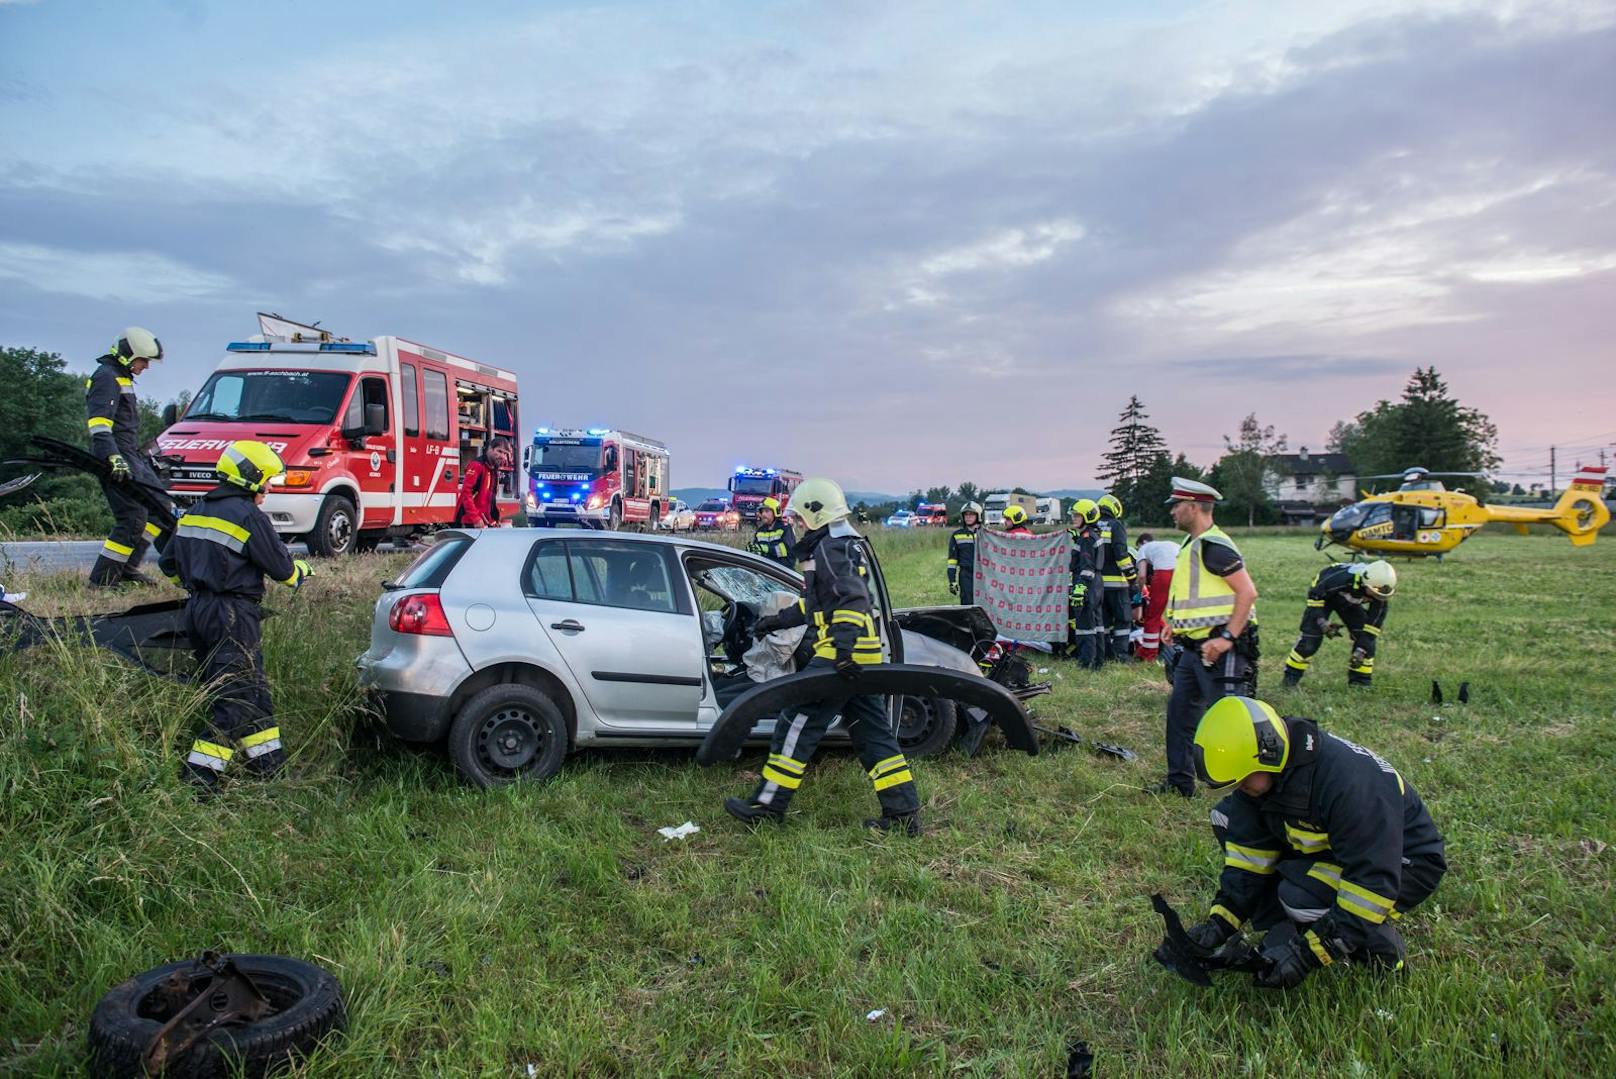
<point x="1212" y="615"/>
<point x="222" y="550"/>
<point x="1120" y="579"/>
<point x="962" y="554"/>
<point x="477" y="505"/>
<point x="112" y="412"/>
<point x="1357" y="591"/>
<point x="1083" y="605"/>
<point x="773" y="538"/>
<point x="1015" y="521"/>
<point x="843" y="636"/>
<point x="1325" y="845"/>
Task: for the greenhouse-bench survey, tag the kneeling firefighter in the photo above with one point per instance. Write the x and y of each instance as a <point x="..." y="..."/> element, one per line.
<point x="836" y="607"/>
<point x="112" y="412"/>
<point x="1357" y="592"/>
<point x="221" y="552"/>
<point x="1324" y="846"/>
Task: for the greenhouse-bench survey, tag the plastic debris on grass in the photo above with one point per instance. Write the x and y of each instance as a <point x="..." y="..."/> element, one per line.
<point x="688" y="828"/>
<point x="877" y="1014"/>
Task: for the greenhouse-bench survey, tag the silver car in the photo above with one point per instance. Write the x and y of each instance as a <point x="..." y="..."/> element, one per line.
<point x="516" y="647"/>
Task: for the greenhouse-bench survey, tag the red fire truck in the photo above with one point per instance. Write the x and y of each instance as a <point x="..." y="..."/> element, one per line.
<point x="374" y="434"/>
<point x="750" y="486"/>
<point x="595" y="476"/>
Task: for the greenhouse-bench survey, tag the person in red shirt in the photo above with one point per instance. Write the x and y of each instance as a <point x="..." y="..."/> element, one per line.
<point x="478" y="504"/>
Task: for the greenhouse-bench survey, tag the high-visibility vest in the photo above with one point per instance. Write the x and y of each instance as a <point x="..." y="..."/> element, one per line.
<point x="1199" y="601"/>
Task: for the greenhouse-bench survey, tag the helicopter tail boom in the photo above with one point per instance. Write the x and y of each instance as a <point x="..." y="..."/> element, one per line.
<point x="1580" y="513"/>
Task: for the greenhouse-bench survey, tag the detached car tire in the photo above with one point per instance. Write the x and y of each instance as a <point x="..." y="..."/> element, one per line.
<point x="926" y="726"/>
<point x="507" y="733"/>
<point x="308" y="1007"/>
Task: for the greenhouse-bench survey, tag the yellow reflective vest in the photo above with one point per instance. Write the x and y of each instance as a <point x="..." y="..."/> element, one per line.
<point x="1200" y="600"/>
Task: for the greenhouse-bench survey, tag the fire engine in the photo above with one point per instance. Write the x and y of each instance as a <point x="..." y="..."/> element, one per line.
<point x="750" y="486"/>
<point x="595" y="476"/>
<point x="374" y="434"/>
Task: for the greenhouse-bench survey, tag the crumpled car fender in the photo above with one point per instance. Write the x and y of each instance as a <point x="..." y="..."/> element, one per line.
<point x="728" y="736"/>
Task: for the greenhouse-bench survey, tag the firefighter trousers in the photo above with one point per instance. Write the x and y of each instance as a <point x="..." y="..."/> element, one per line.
<point x="227" y="638"/>
<point x="1118" y="620"/>
<point x="798" y="733"/>
<point x="1360" y="664"/>
<point x="1086" y="634"/>
<point x="132" y="531"/>
<point x="1195" y="687"/>
<point x="967" y="586"/>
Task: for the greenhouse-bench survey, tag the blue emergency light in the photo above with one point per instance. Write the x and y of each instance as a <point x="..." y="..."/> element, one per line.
<point x="541" y="430"/>
<point x="596" y="431"/>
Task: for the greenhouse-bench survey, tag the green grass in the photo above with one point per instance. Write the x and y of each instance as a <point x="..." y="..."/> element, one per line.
<point x="479" y="932"/>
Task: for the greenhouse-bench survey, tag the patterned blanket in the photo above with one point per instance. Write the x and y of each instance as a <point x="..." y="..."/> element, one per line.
<point x="1023" y="581"/>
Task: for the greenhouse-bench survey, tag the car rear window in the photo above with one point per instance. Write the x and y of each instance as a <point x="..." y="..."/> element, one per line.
<point x="432" y="568"/>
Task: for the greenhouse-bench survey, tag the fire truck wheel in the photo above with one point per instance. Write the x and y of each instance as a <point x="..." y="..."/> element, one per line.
<point x="306" y="1007"/>
<point x="507" y="733"/>
<point x="336" y="528"/>
<point x="614" y="517"/>
<point x="656" y="515"/>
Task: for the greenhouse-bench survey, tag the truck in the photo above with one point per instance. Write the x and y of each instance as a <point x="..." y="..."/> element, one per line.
<point x="599" y="477"/>
<point x="1049" y="511"/>
<point x="748" y="487"/>
<point x="993" y="506"/>
<point x="375" y="435"/>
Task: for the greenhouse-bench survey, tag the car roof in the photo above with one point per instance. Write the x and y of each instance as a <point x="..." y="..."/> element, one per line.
<point x="594" y="535"/>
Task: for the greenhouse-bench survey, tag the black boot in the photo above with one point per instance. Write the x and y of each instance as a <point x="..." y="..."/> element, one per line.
<point x="204" y="782"/>
<point x="754" y="813"/>
<point x="902" y="823"/>
<point x="106" y="573"/>
<point x="135" y="577"/>
<point x="267" y="764"/>
<point x="1293" y="677"/>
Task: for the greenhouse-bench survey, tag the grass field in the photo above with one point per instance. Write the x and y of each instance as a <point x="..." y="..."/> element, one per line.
<point x="478" y="933"/>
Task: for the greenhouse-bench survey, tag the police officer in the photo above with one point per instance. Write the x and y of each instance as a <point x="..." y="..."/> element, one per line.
<point x="1324" y="844"/>
<point x="1015" y="521"/>
<point x="1358" y="592"/>
<point x="222" y="550"/>
<point x="836" y="607"/>
<point x="962" y="554"/>
<point x="1118" y="574"/>
<point x="773" y="538"/>
<point x="1083" y="605"/>
<point x="112" y="412"/>
<point x="1211" y="614"/>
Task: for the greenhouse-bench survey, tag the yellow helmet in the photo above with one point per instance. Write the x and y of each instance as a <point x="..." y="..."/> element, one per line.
<point x="770" y="503"/>
<point x="818" y="502"/>
<point x="1380" y="579"/>
<point x="1239" y="736"/>
<point x="249" y="464"/>
<point x="1014" y="515"/>
<point x="1111" y="504"/>
<point x="1086" y="509"/>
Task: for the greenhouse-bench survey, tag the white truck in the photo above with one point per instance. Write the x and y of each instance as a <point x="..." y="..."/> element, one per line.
<point x="1049" y="511"/>
<point x="993" y="507"/>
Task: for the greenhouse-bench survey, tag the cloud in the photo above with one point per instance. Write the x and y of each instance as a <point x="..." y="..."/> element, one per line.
<point x="128" y="277"/>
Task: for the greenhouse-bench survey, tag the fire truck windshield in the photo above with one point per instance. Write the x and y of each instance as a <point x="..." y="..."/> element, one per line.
<point x="258" y="396"/>
<point x="565" y="457"/>
<point x="752" y="485"/>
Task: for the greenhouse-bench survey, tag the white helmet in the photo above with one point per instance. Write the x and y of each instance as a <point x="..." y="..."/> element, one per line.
<point x="819" y="502"/>
<point x="138" y="344"/>
<point x="971" y="507"/>
<point x="1379" y="579"/>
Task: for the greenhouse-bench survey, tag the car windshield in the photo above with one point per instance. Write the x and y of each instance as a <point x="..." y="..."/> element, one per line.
<point x="740" y="585"/>
<point x="752" y="485"/>
<point x="902" y="513"/>
<point x="258" y="396"/>
<point x="574" y="457"/>
<point x="713" y="505"/>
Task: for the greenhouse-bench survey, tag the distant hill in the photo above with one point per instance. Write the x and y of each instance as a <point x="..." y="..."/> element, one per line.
<point x="1077" y="492"/>
<point x="694" y="495"/>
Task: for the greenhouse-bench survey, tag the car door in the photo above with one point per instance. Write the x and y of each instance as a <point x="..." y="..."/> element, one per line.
<point x="622" y="618"/>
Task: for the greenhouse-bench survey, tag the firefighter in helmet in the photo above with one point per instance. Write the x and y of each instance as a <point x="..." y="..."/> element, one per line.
<point x="1358" y="593"/>
<point x="842" y="632"/>
<point x="1083" y="605"/>
<point x="222" y="550"/>
<point x="1120" y="578"/>
<point x="962" y="554"/>
<point x="112" y="412"/>
<point x="1325" y="846"/>
<point x="773" y="538"/>
<point x="1015" y="521"/>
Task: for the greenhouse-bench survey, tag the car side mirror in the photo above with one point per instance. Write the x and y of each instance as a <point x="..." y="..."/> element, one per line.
<point x="171" y="414"/>
<point x="375" y="419"/>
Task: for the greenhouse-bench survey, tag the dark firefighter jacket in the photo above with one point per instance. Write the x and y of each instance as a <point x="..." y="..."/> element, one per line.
<point x="112" y="411"/>
<point x="1337" y="803"/>
<point x="1086" y="554"/>
<point x="1344" y="582"/>
<point x="224" y="545"/>
<point x="835" y="602"/>
<point x="1116" y="566"/>
<point x="962" y="553"/>
<point x="774" y="542"/>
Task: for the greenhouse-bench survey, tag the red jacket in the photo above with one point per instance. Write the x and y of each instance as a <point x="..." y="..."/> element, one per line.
<point x="479" y="487"/>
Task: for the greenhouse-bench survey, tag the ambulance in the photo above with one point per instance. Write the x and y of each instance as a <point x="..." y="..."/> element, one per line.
<point x="375" y="435"/>
<point x="595" y="476"/>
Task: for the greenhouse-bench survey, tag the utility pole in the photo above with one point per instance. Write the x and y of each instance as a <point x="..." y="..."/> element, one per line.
<point x="1553" y="485"/>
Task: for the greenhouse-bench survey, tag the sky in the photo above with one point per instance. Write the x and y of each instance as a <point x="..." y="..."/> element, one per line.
<point x="900" y="244"/>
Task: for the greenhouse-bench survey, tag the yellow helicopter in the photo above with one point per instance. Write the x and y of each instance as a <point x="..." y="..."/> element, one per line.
<point x="1422" y="517"/>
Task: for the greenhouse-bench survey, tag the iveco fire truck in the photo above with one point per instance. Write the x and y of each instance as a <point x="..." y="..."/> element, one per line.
<point x="595" y="476"/>
<point x="374" y="434"/>
<point x="750" y="486"/>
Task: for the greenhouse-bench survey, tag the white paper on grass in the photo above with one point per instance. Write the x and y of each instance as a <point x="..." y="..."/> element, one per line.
<point x="685" y="829"/>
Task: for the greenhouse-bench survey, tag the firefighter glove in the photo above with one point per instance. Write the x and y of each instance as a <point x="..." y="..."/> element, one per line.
<point x="766" y="625"/>
<point x="847" y="667"/>
<point x="304" y="572"/>
<point x="1306" y="952"/>
<point x="1211" y="933"/>
<point x="1079" y="591"/>
<point x="119" y="467"/>
<point x="953" y="587"/>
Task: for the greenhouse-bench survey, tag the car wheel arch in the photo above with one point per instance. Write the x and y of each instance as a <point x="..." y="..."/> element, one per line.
<point x="529" y="674"/>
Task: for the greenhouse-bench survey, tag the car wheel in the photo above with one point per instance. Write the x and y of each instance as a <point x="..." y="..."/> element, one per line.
<point x="306" y="1004"/>
<point x="656" y="516"/>
<point x="614" y="517"/>
<point x="926" y="726"/>
<point x="507" y="733"/>
<point x="336" y="528"/>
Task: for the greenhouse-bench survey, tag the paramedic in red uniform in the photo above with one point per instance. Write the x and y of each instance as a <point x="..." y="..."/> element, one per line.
<point x="1155" y="561"/>
<point x="478" y="504"/>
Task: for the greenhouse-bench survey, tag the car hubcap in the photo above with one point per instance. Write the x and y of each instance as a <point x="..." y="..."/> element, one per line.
<point x="509" y="740"/>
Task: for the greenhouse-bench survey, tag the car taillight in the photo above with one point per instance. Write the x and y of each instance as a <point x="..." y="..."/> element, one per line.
<point x="422" y="614"/>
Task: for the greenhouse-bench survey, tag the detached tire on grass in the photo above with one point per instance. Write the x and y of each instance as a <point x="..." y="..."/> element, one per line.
<point x="307" y="1007"/>
<point x="506" y="733"/>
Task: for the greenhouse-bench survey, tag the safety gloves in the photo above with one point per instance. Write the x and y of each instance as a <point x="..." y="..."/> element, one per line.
<point x="119" y="467"/>
<point x="1211" y="933"/>
<point x="953" y="587"/>
<point x="766" y="625"/>
<point x="302" y="571"/>
<point x="847" y="667"/>
<point x="1311" y="948"/>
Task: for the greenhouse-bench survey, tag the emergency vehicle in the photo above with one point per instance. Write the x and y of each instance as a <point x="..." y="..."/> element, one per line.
<point x="932" y="513"/>
<point x="374" y="434"/>
<point x="595" y="476"/>
<point x="750" y="486"/>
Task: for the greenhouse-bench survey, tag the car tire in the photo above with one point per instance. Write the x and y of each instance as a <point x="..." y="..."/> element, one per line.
<point x="508" y="733"/>
<point x="336" y="528"/>
<point x="656" y="516"/>
<point x="927" y="726"/>
<point x="614" y="516"/>
<point x="308" y="1004"/>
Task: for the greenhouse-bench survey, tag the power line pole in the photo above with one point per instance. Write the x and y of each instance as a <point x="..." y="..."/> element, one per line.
<point x="1553" y="485"/>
